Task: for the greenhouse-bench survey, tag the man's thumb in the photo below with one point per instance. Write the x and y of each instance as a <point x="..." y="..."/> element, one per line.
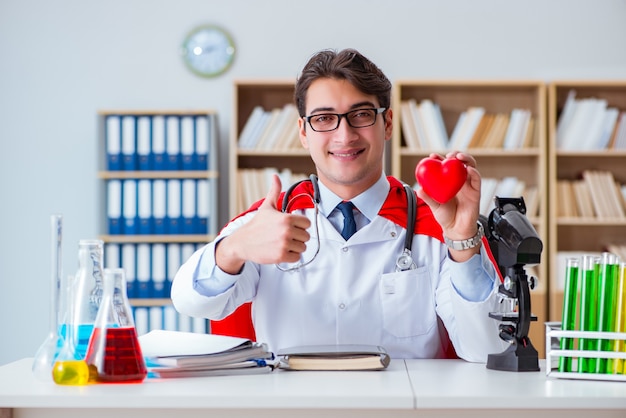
<point x="272" y="196"/>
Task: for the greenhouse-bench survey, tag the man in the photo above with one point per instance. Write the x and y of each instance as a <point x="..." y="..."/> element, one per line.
<point x="310" y="285"/>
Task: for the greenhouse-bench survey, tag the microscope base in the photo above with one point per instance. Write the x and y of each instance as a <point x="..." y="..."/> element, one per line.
<point x="516" y="358"/>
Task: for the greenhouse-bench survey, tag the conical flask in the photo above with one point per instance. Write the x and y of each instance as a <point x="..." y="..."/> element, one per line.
<point x="88" y="293"/>
<point x="45" y="356"/>
<point x="69" y="367"/>
<point x="114" y="354"/>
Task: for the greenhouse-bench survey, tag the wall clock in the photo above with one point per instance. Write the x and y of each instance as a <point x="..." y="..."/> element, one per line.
<point x="208" y="50"/>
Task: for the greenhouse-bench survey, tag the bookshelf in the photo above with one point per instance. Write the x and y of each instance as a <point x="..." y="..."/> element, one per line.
<point x="158" y="186"/>
<point x="575" y="230"/>
<point x="525" y="161"/>
<point x="270" y="96"/>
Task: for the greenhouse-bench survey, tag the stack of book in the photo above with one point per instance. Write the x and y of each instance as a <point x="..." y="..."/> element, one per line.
<point x="590" y="124"/>
<point x="188" y="354"/>
<point x="596" y="195"/>
<point x="423" y="128"/>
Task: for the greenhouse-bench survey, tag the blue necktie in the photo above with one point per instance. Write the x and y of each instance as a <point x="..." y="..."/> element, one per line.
<point x="349" y="226"/>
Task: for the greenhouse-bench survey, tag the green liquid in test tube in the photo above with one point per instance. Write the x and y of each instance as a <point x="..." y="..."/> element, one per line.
<point x="620" y="320"/>
<point x="570" y="295"/>
<point x="607" y="299"/>
<point x="588" y="311"/>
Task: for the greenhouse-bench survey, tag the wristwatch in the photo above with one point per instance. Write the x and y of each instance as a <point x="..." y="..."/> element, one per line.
<point x="466" y="244"/>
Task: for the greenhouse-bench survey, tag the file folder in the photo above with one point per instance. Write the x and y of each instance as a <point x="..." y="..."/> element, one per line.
<point x="170" y="318"/>
<point x="173" y="206"/>
<point x="129" y="153"/>
<point x="203" y="205"/>
<point x="129" y="206"/>
<point x="144" y="159"/>
<point x="144" y="206"/>
<point x="113" y="135"/>
<point x="143" y="272"/>
<point x="159" y="207"/>
<point x="128" y="264"/>
<point x="142" y="322"/>
<point x="202" y="143"/>
<point x="112" y="256"/>
<point x="158" y="271"/>
<point x="187" y="143"/>
<point x="114" y="206"/>
<point x="173" y="264"/>
<point x="155" y="318"/>
<point x="189" y="206"/>
<point x="172" y="143"/>
<point x="159" y="159"/>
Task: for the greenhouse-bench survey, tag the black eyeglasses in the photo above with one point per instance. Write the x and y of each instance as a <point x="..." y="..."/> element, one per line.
<point x="359" y="118"/>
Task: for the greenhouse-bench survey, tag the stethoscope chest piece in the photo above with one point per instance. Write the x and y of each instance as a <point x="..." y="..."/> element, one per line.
<point x="405" y="261"/>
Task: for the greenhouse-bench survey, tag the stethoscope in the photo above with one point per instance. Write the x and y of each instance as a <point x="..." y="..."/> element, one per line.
<point x="405" y="260"/>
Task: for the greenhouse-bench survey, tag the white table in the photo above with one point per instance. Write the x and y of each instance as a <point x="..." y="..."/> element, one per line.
<point x="440" y="388"/>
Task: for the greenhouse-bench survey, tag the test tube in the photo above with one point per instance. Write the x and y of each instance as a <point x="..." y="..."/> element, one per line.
<point x="620" y="319"/>
<point x="588" y="311"/>
<point x="570" y="294"/>
<point x="607" y="298"/>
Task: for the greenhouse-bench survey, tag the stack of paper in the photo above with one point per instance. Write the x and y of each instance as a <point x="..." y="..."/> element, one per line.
<point x="188" y="354"/>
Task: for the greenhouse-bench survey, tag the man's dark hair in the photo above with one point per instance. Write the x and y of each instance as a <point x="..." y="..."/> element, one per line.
<point x="349" y="65"/>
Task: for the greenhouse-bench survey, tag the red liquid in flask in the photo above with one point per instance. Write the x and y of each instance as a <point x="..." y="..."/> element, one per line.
<point x="114" y="356"/>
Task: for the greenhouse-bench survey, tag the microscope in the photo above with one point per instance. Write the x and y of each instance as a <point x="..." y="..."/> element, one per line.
<point x="514" y="243"/>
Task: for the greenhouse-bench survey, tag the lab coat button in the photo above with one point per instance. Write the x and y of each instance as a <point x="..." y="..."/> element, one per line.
<point x="342" y="306"/>
<point x="344" y="249"/>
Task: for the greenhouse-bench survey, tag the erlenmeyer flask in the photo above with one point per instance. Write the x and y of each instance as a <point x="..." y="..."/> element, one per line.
<point x="44" y="358"/>
<point x="69" y="367"/>
<point x="114" y="354"/>
<point x="88" y="291"/>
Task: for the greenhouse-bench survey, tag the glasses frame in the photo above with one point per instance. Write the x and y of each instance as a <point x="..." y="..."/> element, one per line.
<point x="340" y="116"/>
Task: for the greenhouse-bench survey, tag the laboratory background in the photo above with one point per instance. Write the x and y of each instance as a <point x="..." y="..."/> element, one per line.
<point x="62" y="61"/>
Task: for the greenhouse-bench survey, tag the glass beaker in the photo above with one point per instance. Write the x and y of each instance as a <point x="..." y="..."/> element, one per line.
<point x="69" y="367"/>
<point x="114" y="354"/>
<point x="44" y="358"/>
<point x="88" y="293"/>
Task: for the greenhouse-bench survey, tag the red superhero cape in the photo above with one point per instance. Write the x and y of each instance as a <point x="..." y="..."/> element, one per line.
<point x="239" y="323"/>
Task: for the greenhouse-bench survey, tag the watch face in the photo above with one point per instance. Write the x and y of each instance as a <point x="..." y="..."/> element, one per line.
<point x="208" y="51"/>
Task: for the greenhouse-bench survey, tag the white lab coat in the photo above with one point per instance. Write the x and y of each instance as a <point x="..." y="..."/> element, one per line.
<point x="350" y="293"/>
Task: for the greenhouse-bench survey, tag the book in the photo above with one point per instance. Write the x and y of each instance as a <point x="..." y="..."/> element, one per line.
<point x="196" y="351"/>
<point x="334" y="357"/>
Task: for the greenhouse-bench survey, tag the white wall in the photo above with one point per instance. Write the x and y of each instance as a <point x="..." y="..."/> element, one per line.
<point x="61" y="61"/>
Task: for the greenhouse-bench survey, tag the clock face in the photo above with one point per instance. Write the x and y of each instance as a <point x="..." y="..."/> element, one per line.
<point x="208" y="51"/>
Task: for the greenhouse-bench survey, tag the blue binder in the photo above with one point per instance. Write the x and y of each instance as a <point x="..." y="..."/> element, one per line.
<point x="129" y="144"/>
<point x="143" y="279"/>
<point x="113" y="135"/>
<point x="159" y="271"/>
<point x="203" y="142"/>
<point x="172" y="143"/>
<point x="144" y="159"/>
<point x="159" y="207"/>
<point x="173" y="216"/>
<point x="114" y="207"/>
<point x="128" y="263"/>
<point x="144" y="206"/>
<point x="187" y="143"/>
<point x="158" y="155"/>
<point x="129" y="207"/>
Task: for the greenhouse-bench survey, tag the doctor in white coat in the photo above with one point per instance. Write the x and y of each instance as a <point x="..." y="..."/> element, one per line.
<point x="308" y="284"/>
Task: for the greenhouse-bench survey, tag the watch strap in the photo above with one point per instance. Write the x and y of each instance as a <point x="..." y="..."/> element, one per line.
<point x="466" y="244"/>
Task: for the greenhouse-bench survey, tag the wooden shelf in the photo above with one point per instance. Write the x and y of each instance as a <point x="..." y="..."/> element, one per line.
<point x="576" y="233"/>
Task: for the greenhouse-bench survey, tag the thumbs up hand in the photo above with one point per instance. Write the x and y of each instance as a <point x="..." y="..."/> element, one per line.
<point x="270" y="237"/>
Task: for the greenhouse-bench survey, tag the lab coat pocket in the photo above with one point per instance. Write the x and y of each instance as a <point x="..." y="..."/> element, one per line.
<point x="408" y="302"/>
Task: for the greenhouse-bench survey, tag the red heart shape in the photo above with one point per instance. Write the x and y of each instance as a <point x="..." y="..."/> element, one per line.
<point x="441" y="180"/>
